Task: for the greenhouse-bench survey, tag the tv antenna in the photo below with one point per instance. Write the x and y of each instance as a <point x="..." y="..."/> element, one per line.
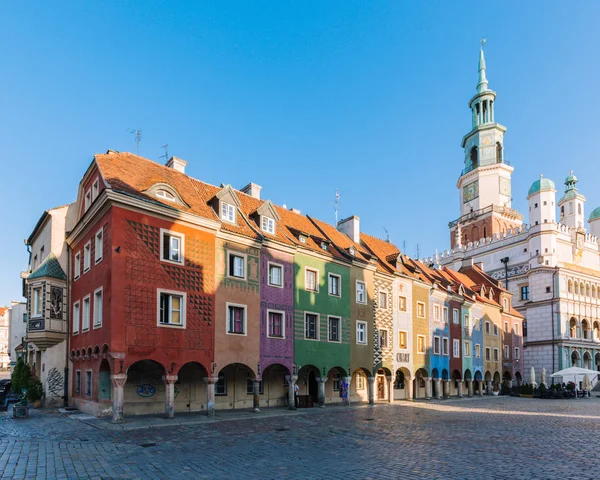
<point x="138" y="137"/>
<point x="336" y="205"/>
<point x="418" y="253"/>
<point x="387" y="235"/>
<point x="166" y="155"/>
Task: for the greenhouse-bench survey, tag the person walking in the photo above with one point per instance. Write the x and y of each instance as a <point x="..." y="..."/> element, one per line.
<point x="296" y="393"/>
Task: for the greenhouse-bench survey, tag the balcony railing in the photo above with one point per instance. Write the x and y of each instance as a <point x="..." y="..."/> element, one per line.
<point x="473" y="167"/>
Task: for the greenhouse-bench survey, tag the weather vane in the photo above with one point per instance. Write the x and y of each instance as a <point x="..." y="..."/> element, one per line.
<point x="483" y="41"/>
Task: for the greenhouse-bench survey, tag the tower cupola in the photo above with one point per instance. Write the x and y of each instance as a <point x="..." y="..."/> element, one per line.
<point x="542" y="196"/>
<point x="572" y="204"/>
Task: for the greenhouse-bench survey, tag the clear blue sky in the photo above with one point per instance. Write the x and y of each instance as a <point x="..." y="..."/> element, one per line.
<point x="299" y="97"/>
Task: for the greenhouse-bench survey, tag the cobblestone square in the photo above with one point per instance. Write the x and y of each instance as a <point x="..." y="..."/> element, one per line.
<point x="501" y="437"/>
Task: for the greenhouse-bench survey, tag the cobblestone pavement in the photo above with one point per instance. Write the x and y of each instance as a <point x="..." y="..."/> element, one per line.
<point x="483" y="438"/>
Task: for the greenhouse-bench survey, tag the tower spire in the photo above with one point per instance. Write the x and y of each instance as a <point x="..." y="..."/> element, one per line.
<point x="482" y="84"/>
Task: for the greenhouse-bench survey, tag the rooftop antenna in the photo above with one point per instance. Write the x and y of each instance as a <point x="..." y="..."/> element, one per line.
<point x="336" y="205"/>
<point x="138" y="137"/>
<point x="166" y="155"/>
<point x="387" y="235"/>
<point x="418" y="253"/>
<point x="404" y="246"/>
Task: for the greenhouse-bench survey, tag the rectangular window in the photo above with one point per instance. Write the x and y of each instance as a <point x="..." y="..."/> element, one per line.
<point x="77" y="266"/>
<point x="98" y="308"/>
<point x="466" y="321"/>
<point x="506" y="304"/>
<point x="78" y="382"/>
<point x="221" y="386"/>
<point x="445" y="346"/>
<point x="516" y="328"/>
<point x="171" y="308"/>
<point x="436" y="345"/>
<point x="455" y="316"/>
<point x="35" y="262"/>
<point x="98" y="246"/>
<point x="488" y="354"/>
<point x="495" y="329"/>
<point x="276" y="324"/>
<point x="95" y="190"/>
<point x="268" y="225"/>
<point x="311" y="323"/>
<point x="85" y="315"/>
<point x="76" y="316"/>
<point x="382" y="300"/>
<point x="250" y="387"/>
<point x="360" y="382"/>
<point x="487" y="327"/>
<point x="517" y="353"/>
<point x="334" y="285"/>
<point x="525" y="292"/>
<point x="236" y="266"/>
<point x="421" y="343"/>
<point x="402" y="304"/>
<point x="42" y="254"/>
<point x="420" y="310"/>
<point x="506" y="352"/>
<point x="361" y="333"/>
<point x="466" y="349"/>
<point x="456" y="348"/>
<point x="506" y="327"/>
<point x="361" y="296"/>
<point x="236" y="319"/>
<point x="445" y="314"/>
<point x="87" y="256"/>
<point x="477" y="350"/>
<point x="436" y="312"/>
<point x="334" y="324"/>
<point x="310" y="279"/>
<point x="275" y="275"/>
<point x="227" y="212"/>
<point x="172" y="246"/>
<point x="88" y="383"/>
<point x="383" y="338"/>
<point x="402" y="339"/>
<point x="87" y="201"/>
<point x="337" y="380"/>
<point x="37" y="301"/>
<point x="495" y="354"/>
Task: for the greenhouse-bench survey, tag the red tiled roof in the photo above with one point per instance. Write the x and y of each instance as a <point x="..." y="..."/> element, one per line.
<point x="3" y="310"/>
<point x="341" y="240"/>
<point x="383" y="251"/>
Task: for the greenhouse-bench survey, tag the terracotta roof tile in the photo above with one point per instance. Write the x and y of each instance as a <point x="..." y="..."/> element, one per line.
<point x="342" y="241"/>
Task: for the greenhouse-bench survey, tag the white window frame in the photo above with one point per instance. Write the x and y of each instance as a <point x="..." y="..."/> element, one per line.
<point x="77" y="266"/>
<point x="477" y="350"/>
<point x="505" y="304"/>
<point x="364" y="292"/>
<point x="245" y="326"/>
<point x="76" y="317"/>
<point x="182" y="311"/>
<point x="466" y="319"/>
<point x="317" y="274"/>
<point x="83" y="313"/>
<point x="230" y="211"/>
<point x="95" y="189"/>
<point x="455" y="348"/>
<point x="424" y="310"/>
<point x="339" y="278"/>
<point x="445" y="346"/>
<point x="446" y="314"/>
<point x="488" y="354"/>
<point x="165" y="195"/>
<point x="95" y="323"/>
<point x="241" y="255"/>
<point x="455" y="316"/>
<point x="98" y="246"/>
<point x="282" y="313"/>
<point x="87" y="200"/>
<point x="37" y="309"/>
<point x="496" y="330"/>
<point x="424" y="344"/>
<point x="496" y="355"/>
<point x="171" y="234"/>
<point x="78" y="382"/>
<point x="385" y="295"/>
<point x="365" y="340"/>
<point x="317" y="326"/>
<point x="87" y="256"/>
<point x="329" y="329"/>
<point x="488" y="330"/>
<point x="506" y="352"/>
<point x="269" y="223"/>
<point x="439" y="345"/>
<point x="276" y="265"/>
<point x="466" y="348"/>
<point x="436" y="312"/>
<point x="516" y="328"/>
<point x="387" y="338"/>
<point x="401" y="300"/>
<point x="89" y="374"/>
<point x="517" y="353"/>
<point x="400" y="332"/>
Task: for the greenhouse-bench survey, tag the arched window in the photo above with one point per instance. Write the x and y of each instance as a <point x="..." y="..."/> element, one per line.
<point x="474" y="159"/>
<point x="596" y="332"/>
<point x="165" y="195"/>
<point x="593" y="291"/>
<point x="576" y="288"/>
<point x="484" y="231"/>
<point x="587" y="290"/>
<point x="582" y="288"/>
<point x="585" y="329"/>
<point x="570" y="286"/>
<point x="579" y="208"/>
<point x="499" y="158"/>
<point x="573" y="328"/>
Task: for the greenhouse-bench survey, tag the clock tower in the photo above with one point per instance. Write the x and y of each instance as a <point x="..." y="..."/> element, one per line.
<point x="484" y="183"/>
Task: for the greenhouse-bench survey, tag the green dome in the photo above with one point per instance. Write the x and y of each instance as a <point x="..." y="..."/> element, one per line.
<point x="595" y="214"/>
<point x="541" y="184"/>
<point x="571" y="178"/>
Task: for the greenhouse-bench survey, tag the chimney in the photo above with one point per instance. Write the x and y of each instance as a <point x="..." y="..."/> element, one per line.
<point x="351" y="227"/>
<point x="295" y="210"/>
<point x="177" y="163"/>
<point x="252" y="189"/>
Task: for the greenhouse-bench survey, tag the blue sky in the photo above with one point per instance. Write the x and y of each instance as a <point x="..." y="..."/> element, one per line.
<point x="300" y="97"/>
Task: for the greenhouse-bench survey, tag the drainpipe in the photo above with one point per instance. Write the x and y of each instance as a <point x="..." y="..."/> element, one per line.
<point x="68" y="339"/>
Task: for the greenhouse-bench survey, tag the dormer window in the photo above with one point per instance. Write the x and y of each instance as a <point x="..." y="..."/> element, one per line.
<point x="227" y="212"/>
<point x="268" y="225"/>
<point x="352" y="251"/>
<point x="164" y="195"/>
<point x="323" y="245"/>
<point x="302" y="238"/>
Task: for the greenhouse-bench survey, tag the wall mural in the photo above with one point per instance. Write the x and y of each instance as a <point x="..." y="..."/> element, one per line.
<point x="56" y="302"/>
<point x="55" y="385"/>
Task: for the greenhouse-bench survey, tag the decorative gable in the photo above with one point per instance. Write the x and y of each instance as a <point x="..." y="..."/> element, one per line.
<point x="226" y="204"/>
<point x="266" y="217"/>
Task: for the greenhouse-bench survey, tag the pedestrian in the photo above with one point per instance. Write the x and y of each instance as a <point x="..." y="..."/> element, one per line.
<point x="296" y="393"/>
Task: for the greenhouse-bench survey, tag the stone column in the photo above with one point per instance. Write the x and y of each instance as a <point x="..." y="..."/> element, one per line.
<point x="427" y="388"/>
<point x="446" y="388"/>
<point x="408" y="389"/>
<point x="460" y="389"/>
<point x="118" y="394"/>
<point x="321" y="381"/>
<point x="291" y="379"/>
<point x="390" y="389"/>
<point x="470" y="388"/>
<point x="169" y="395"/>
<point x="371" y="390"/>
<point x="256" y="394"/>
<point x="349" y="382"/>
<point x="439" y="389"/>
<point x="489" y="388"/>
<point x="210" y="395"/>
<point x="481" y="388"/>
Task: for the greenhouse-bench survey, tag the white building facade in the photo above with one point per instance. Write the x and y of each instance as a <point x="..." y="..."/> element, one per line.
<point x="17" y="327"/>
<point x="551" y="265"/>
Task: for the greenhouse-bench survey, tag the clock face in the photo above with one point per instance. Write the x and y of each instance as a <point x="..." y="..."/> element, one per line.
<point x="486" y="141"/>
<point x="471" y="191"/>
<point x="505" y="186"/>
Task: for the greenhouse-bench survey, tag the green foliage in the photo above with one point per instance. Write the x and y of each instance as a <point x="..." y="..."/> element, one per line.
<point x="526" y="389"/>
<point x="20" y="376"/>
<point x="542" y="388"/>
<point x="505" y="388"/>
<point x="35" y="389"/>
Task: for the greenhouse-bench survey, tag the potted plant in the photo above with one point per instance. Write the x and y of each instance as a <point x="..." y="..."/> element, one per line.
<point x="35" y="390"/>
